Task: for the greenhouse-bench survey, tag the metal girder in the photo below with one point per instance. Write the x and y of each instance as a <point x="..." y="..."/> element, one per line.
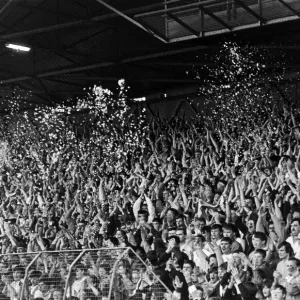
<point x="236" y="28"/>
<point x="250" y="11"/>
<point x="289" y="7"/>
<point x="213" y="16"/>
<point x="176" y="8"/>
<point x="85" y="22"/>
<point x="25" y="16"/>
<point x="4" y="8"/>
<point x="136" y="23"/>
<point x="82" y="22"/>
<point x="183" y="24"/>
<point x="106" y="64"/>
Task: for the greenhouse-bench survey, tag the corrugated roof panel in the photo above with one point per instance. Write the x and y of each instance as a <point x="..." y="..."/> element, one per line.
<point x="17" y="62"/>
<point x="72" y="35"/>
<point x="48" y="61"/>
<point x="280" y="11"/>
<point x="15" y="17"/>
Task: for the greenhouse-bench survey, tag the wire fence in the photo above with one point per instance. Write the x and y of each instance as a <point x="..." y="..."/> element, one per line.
<point x="102" y="274"/>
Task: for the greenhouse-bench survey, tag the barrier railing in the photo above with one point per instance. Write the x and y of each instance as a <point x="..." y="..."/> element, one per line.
<point x="90" y="274"/>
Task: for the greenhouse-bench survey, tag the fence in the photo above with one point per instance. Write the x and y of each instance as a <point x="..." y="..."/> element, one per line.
<point x="104" y="274"/>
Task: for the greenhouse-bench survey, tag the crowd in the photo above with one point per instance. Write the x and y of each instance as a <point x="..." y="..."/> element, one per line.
<point x="212" y="211"/>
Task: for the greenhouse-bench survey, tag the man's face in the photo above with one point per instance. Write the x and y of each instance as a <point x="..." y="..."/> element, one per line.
<point x="17" y="275"/>
<point x="121" y="270"/>
<point x="79" y="273"/>
<point x="179" y="222"/>
<point x="295" y="228"/>
<point x="197" y="242"/>
<point x="135" y="277"/>
<point x="187" y="268"/>
<point x="3" y="266"/>
<point x="250" y="225"/>
<point x="170" y="215"/>
<point x="228" y="233"/>
<point x="236" y="259"/>
<point x="257" y="243"/>
<point x="282" y="252"/>
<point x="34" y="280"/>
<point x="277" y="294"/>
<point x="225" y="247"/>
<point x="57" y="295"/>
<point x="119" y="235"/>
<point x="181" y="235"/>
<point x="221" y="273"/>
<point x="215" y="233"/>
<point x="258" y="259"/>
<point x="171" y="232"/>
<point x="43" y="287"/>
<point x="291" y="266"/>
<point x="257" y="278"/>
<point x="271" y="228"/>
<point x="4" y="278"/>
<point x="213" y="276"/>
<point x="102" y="272"/>
<point x="202" y="224"/>
<point x="156" y="225"/>
<point x="206" y="234"/>
<point x="266" y="291"/>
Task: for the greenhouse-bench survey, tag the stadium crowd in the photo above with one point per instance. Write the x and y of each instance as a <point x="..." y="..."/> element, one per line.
<point x="213" y="212"/>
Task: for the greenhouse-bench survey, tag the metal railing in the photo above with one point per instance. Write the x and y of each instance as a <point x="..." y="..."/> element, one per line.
<point x="105" y="273"/>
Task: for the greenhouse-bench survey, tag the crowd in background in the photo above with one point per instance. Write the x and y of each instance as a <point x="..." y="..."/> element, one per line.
<point x="212" y="210"/>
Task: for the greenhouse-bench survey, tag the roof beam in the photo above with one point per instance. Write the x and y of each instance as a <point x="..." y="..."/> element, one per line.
<point x="237" y="28"/>
<point x="184" y="25"/>
<point x="23" y="18"/>
<point x="213" y="16"/>
<point x="179" y="8"/>
<point x="289" y="8"/>
<point x="106" y="64"/>
<point x="5" y="7"/>
<point x="251" y="11"/>
<point x="136" y="23"/>
<point x="83" y="22"/>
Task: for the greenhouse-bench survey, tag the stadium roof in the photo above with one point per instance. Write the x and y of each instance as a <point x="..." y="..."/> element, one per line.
<point x="152" y="44"/>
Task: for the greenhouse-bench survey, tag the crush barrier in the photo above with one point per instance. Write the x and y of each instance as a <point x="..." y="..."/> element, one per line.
<point x="90" y="274"/>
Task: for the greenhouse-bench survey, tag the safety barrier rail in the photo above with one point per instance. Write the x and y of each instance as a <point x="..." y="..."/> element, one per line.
<point x="90" y="274"/>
